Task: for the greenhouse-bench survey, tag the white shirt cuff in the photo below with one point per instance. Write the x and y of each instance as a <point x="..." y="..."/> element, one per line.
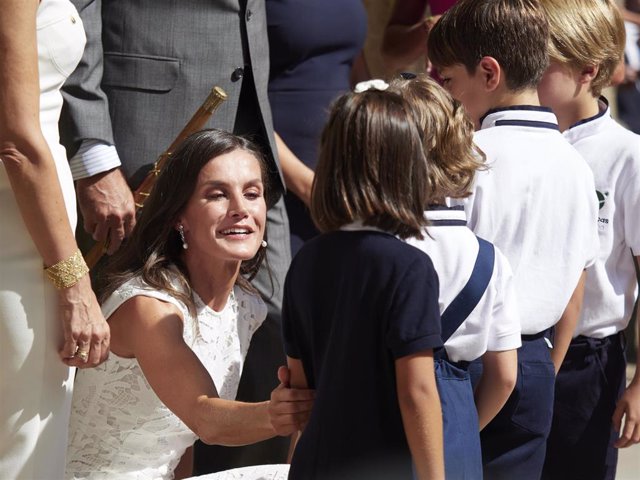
<point x="93" y="157"/>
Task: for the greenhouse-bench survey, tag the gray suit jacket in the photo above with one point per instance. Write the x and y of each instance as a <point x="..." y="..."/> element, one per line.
<point x="147" y="67"/>
<point x="149" y="64"/>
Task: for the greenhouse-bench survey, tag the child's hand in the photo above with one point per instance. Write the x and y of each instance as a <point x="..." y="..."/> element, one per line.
<point x="629" y="408"/>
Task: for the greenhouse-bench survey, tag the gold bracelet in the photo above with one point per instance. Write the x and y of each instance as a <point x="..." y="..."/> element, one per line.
<point x="66" y="273"/>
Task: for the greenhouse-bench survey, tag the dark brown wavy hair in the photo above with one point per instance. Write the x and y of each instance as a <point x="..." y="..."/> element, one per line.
<point x="514" y="32"/>
<point x="155" y="246"/>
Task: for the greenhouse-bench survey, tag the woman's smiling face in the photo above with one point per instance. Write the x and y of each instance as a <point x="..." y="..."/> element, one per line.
<point x="225" y="217"/>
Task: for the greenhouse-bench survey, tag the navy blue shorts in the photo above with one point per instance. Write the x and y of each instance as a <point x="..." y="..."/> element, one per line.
<point x="462" y="457"/>
<point x="514" y="442"/>
<point x="589" y="384"/>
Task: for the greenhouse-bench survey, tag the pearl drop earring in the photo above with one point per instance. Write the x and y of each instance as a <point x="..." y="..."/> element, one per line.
<point x="264" y="244"/>
<point x="185" y="245"/>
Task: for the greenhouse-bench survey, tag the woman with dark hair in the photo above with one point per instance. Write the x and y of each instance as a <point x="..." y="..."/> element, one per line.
<point x="182" y="313"/>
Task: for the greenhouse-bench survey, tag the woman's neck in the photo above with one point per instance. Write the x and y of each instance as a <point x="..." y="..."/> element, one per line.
<point x="212" y="281"/>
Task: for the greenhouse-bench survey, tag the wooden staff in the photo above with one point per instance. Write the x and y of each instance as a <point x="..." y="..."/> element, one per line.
<point x="140" y="195"/>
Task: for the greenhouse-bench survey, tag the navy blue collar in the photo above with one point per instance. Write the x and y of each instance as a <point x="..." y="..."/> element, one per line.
<point x="520" y="116"/>
<point x="590" y="126"/>
<point x="443" y="216"/>
<point x="601" y="112"/>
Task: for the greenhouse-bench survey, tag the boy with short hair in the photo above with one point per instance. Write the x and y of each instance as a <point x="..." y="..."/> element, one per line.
<point x="587" y="43"/>
<point x="535" y="202"/>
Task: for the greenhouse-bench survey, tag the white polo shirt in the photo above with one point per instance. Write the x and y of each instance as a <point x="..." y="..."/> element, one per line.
<point x="494" y="324"/>
<point x="613" y="153"/>
<point x="536" y="203"/>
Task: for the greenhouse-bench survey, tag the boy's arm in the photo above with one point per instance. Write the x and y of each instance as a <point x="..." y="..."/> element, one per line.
<point x="567" y="324"/>
<point x="629" y="404"/>
<point x="421" y="413"/>
<point x="499" y="373"/>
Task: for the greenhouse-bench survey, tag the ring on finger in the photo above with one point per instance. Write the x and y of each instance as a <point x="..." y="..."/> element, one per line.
<point x="82" y="351"/>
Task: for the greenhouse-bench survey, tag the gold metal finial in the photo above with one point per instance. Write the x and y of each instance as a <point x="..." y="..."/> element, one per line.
<point x="215" y="98"/>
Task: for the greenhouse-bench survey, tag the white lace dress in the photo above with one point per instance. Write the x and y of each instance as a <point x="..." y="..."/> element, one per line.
<point x="119" y="428"/>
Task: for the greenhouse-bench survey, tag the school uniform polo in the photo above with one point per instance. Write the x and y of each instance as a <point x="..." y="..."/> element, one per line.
<point x="354" y="302"/>
<point x="592" y="376"/>
<point x="613" y="153"/>
<point x="535" y="202"/>
<point x="492" y="325"/>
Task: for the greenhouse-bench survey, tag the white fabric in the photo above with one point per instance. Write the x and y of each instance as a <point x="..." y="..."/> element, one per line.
<point x="93" y="157"/>
<point x="536" y="203"/>
<point x="119" y="427"/>
<point x="35" y="386"/>
<point x="494" y="323"/>
<point x="260" y="472"/>
<point x="613" y="153"/>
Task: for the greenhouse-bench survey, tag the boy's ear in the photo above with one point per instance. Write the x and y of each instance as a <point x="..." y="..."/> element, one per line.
<point x="491" y="72"/>
<point x="588" y="73"/>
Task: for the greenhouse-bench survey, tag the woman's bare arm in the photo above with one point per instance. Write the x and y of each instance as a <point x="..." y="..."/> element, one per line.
<point x="32" y="173"/>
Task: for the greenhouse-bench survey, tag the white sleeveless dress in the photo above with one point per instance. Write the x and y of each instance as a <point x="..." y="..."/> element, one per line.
<point x="35" y="386"/>
<point x="119" y="427"/>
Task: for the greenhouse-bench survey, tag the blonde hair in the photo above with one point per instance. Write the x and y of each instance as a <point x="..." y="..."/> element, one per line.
<point x="448" y="137"/>
<point x="586" y="32"/>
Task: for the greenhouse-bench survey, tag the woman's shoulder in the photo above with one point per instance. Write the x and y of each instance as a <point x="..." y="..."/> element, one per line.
<point x="137" y="286"/>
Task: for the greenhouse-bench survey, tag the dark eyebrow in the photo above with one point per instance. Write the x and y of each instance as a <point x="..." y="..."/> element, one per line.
<point x="219" y="183"/>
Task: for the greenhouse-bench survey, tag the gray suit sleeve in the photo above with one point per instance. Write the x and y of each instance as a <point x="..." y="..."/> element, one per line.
<point x="85" y="112"/>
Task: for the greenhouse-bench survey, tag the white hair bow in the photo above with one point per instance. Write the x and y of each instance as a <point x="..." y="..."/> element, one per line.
<point x="375" y="84"/>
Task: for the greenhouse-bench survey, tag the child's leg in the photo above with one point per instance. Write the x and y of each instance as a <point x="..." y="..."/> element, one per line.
<point x="514" y="442"/>
<point x="462" y="457"/>
<point x="588" y="386"/>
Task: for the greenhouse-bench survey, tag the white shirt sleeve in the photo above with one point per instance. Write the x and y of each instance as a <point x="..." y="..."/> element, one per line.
<point x="505" y="325"/>
<point x="630" y="200"/>
<point x="93" y="157"/>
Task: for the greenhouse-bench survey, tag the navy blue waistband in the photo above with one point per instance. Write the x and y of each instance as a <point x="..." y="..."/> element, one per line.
<point x="595" y="343"/>
<point x="535" y="336"/>
<point x="441" y="354"/>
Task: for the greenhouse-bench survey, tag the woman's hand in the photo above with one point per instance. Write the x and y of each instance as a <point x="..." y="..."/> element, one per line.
<point x="289" y="408"/>
<point x="86" y="333"/>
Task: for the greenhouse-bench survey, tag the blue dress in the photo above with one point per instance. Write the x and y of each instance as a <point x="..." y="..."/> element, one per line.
<point x="312" y="46"/>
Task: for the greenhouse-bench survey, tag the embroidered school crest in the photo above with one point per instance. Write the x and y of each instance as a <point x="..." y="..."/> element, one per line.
<point x="602" y="197"/>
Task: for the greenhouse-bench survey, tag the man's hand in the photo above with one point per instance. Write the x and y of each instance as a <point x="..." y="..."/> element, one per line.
<point x="289" y="408"/>
<point x="629" y="407"/>
<point x="107" y="207"/>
